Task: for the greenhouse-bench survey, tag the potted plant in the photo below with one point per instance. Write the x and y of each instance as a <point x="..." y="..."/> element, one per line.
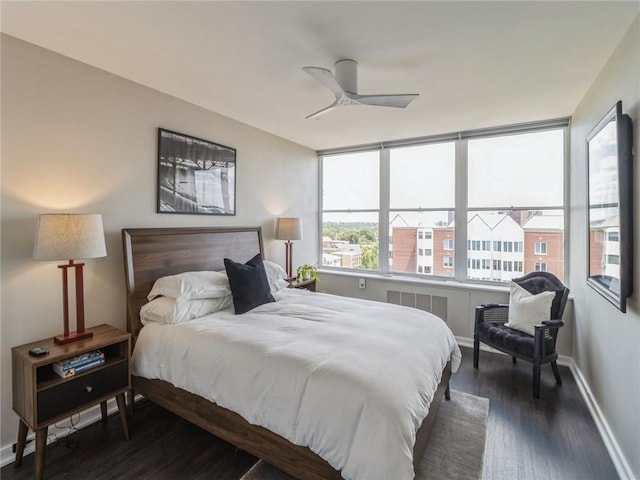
<point x="306" y="272"/>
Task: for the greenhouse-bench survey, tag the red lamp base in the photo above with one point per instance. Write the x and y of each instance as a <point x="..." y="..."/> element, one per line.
<point x="72" y="337"/>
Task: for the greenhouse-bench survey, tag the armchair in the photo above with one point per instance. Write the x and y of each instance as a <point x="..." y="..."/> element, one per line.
<point x="539" y="348"/>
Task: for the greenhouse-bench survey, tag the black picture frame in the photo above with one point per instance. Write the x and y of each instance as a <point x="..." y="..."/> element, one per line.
<point x="195" y="176"/>
<point x="610" y="207"/>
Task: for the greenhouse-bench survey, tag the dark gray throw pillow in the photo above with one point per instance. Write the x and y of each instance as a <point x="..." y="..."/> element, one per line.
<point x="249" y="284"/>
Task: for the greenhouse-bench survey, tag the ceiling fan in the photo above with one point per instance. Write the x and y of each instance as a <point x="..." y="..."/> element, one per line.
<point x="344" y="86"/>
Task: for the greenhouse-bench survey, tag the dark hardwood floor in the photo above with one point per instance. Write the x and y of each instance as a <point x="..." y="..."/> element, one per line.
<point x="553" y="437"/>
<point x="550" y="438"/>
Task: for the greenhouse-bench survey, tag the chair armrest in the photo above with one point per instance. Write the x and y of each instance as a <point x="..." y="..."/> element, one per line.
<point x="540" y="331"/>
<point x="553" y="323"/>
<point x="491" y="312"/>
<point x="488" y="306"/>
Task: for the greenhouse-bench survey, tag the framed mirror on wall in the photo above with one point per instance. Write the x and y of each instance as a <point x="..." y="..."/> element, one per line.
<point x="610" y="202"/>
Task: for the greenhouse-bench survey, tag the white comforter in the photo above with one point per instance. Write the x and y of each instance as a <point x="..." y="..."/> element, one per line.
<point x="351" y="379"/>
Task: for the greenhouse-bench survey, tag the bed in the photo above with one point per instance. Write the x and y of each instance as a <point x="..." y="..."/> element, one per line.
<point x="151" y="253"/>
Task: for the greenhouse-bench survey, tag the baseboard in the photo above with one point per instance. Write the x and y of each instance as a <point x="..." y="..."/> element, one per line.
<point x="617" y="457"/>
<point x="64" y="428"/>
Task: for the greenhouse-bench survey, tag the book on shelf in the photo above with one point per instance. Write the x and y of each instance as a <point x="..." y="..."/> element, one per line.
<point x="78" y="364"/>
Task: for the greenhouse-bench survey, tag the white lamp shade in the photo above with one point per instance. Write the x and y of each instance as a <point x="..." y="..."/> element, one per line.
<point x="69" y="237"/>
<point x="288" y="228"/>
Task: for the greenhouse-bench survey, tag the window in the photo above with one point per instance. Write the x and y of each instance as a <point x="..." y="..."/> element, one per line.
<point x="379" y="207"/>
<point x="540" y="248"/>
<point x="350" y="216"/>
<point x="613" y="259"/>
<point x="613" y="236"/>
<point x="421" y="186"/>
<point x="540" y="267"/>
<point x="515" y="190"/>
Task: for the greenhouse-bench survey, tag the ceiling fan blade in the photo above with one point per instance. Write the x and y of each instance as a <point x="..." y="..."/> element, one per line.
<point x="325" y="110"/>
<point x="326" y="78"/>
<point x="398" y="101"/>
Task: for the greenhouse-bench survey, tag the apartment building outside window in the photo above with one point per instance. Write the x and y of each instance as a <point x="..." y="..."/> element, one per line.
<point x="511" y="211"/>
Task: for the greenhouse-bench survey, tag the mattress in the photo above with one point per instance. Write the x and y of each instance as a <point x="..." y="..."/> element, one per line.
<point x="350" y="379"/>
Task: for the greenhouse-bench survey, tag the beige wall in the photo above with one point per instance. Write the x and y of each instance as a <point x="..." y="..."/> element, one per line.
<point x="77" y="139"/>
<point x="607" y="342"/>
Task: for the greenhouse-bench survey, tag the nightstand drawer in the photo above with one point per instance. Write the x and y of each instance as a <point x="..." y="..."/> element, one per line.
<point x="80" y="391"/>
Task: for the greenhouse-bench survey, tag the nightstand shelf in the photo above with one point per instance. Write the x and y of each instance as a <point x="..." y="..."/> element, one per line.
<point x="304" y="284"/>
<point x="41" y="397"/>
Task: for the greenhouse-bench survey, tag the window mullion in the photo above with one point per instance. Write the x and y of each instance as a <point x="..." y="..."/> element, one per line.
<point x="460" y="247"/>
<point x="383" y="242"/>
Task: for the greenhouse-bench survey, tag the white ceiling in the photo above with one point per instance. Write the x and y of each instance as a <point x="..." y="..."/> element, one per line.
<point x="475" y="64"/>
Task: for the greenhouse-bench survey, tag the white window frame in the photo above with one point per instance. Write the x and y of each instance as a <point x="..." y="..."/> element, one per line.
<point x="537" y="248"/>
<point x="540" y="267"/>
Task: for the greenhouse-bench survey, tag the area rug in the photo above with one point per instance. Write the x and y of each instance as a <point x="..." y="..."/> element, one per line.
<point x="455" y="449"/>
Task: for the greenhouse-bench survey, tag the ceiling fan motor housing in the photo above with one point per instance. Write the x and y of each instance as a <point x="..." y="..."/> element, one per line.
<point x="347" y="75"/>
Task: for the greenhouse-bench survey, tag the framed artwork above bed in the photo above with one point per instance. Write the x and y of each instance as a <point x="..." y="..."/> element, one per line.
<point x="195" y="176"/>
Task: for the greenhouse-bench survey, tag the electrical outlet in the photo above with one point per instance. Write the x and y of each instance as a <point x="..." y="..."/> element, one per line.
<point x="362" y="283"/>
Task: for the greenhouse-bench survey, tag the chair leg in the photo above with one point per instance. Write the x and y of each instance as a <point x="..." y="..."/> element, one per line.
<point x="476" y="351"/>
<point x="556" y="372"/>
<point x="536" y="381"/>
<point x="514" y="360"/>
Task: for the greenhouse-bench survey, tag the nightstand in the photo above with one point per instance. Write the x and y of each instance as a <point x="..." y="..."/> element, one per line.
<point x="41" y="397"/>
<point x="304" y="284"/>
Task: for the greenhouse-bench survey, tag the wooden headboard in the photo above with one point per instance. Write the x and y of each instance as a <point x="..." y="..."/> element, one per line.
<point x="151" y="253"/>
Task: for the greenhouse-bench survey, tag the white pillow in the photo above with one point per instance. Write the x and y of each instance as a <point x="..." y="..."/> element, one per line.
<point x="168" y="310"/>
<point x="191" y="286"/>
<point x="276" y="276"/>
<point x="527" y="310"/>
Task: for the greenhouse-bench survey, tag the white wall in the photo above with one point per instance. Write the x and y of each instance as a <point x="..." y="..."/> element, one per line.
<point x="607" y="342"/>
<point x="77" y="139"/>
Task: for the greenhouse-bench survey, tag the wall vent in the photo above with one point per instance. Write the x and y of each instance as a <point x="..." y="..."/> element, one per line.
<point x="429" y="303"/>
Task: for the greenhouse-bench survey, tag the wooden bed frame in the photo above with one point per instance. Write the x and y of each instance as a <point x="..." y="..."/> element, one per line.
<point x="151" y="253"/>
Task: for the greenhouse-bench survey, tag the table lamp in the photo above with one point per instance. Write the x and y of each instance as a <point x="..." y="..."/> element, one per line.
<point x="68" y="237"/>
<point x="288" y="228"/>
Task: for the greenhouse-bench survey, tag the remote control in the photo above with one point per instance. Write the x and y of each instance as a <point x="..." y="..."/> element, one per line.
<point x="38" y="352"/>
